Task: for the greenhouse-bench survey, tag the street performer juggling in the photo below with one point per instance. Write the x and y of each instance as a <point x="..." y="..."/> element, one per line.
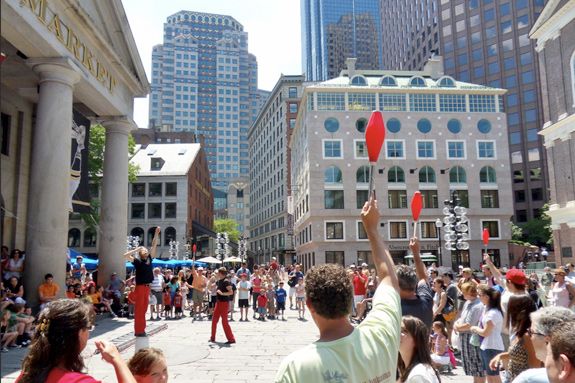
<point x="142" y="261"/>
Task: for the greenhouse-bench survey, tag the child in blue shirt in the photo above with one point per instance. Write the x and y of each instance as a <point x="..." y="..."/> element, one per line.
<point x="281" y="295"/>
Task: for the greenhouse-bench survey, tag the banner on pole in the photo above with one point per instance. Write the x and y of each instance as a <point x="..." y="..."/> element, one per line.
<point x="79" y="192"/>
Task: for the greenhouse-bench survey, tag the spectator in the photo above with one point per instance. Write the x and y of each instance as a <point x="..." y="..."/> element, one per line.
<point x="70" y="294"/>
<point x="546" y="282"/>
<point x="256" y="283"/>
<point x="562" y="292"/>
<point x="48" y="290"/>
<point x="14" y="266"/>
<point x="131" y="300"/>
<point x="244" y="297"/>
<point x="78" y="269"/>
<point x="244" y="270"/>
<point x="452" y="292"/>
<point x="262" y="305"/>
<point x="560" y="360"/>
<point x="55" y="355"/>
<point x="199" y="283"/>
<point x="271" y="304"/>
<point x="281" y="295"/>
<point x="439" y="299"/>
<point x="8" y="334"/>
<point x="367" y="352"/>
<point x="15" y="291"/>
<point x="300" y="298"/>
<point x="4" y="258"/>
<point x="156" y="290"/>
<point x="570" y="269"/>
<point x="113" y="290"/>
<point x="293" y="277"/>
<point x="148" y="365"/>
<point x="359" y="287"/>
<point x="415" y="364"/>
<point x="440" y="346"/>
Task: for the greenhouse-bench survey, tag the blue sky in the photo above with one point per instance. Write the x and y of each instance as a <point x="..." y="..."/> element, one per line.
<point x="273" y="28"/>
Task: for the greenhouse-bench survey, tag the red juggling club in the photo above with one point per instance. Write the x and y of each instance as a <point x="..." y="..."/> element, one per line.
<point x="416" y="206"/>
<point x="374" y="137"/>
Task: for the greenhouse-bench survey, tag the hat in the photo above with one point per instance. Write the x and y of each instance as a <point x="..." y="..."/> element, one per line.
<point x="352" y="266"/>
<point x="200" y="268"/>
<point x="364" y="264"/>
<point x="560" y="271"/>
<point x="467" y="270"/>
<point x="516" y="276"/>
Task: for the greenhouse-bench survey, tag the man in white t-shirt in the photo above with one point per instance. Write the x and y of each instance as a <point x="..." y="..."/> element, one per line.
<point x="244" y="297"/>
<point x="367" y="353"/>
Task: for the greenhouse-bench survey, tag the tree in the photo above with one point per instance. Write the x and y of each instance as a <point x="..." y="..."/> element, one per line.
<point x="96" y="151"/>
<point x="537" y="231"/>
<point x="227" y="225"/>
<point x="516" y="233"/>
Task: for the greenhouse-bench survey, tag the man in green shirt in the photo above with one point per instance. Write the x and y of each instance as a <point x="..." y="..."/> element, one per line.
<point x="367" y="353"/>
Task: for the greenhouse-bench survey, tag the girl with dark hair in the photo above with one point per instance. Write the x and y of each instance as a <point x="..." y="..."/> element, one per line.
<point x="414" y="362"/>
<point x="521" y="355"/>
<point x="62" y="334"/>
<point x="489" y="330"/>
<point x="439" y="299"/>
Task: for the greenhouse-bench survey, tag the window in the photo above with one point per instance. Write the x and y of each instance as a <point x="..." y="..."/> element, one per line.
<point x="138" y="210"/>
<point x="511" y="99"/>
<point x="521" y="215"/>
<point x="481" y="103"/>
<point x="362" y="174"/>
<point x="361" y="233"/>
<point x="428" y="230"/>
<point x="292" y="92"/>
<point x="463" y="197"/>
<point x="330" y="101"/>
<point x="397" y="230"/>
<point x="487" y="175"/>
<point x="527" y="77"/>
<point x="518" y="176"/>
<point x="533" y="154"/>
<point x="429" y="199"/>
<point x="396" y="175"/>
<point x="452" y="103"/>
<point x="393" y="125"/>
<point x="506" y="26"/>
<point x="567" y="252"/>
<point x="492" y="227"/>
<point x="359" y="81"/>
<point x="361" y="124"/>
<point x="519" y="195"/>
<point x="504" y="9"/>
<point x="361" y="197"/>
<point x="532" y="135"/>
<point x="509" y="63"/>
<point x="155" y="189"/>
<point x="392" y="102"/>
<point x="486" y="149"/>
<point x="337" y="257"/>
<point x="334" y="230"/>
<point x="454" y="126"/>
<point x="417" y="81"/>
<point x="151" y="233"/>
<point x="388" y="81"/>
<point x="292" y="123"/>
<point x="332" y="149"/>
<point x="537" y="194"/>
<point x="457" y="175"/>
<point x="462" y="59"/>
<point x="361" y="101"/>
<point x="360" y="149"/>
<point x="427" y="175"/>
<point x="455" y="149"/>
<point x="333" y="199"/>
<point x="484" y="126"/>
<point x="489" y="199"/>
<point x="154" y="210"/>
<point x="394" y="149"/>
<point x="422" y="102"/>
<point x="293" y="107"/>
<point x="331" y="125"/>
<point x="425" y="149"/>
<point x="74" y="238"/>
<point x="535" y="174"/>
<point x="488" y="15"/>
<point x="171" y="189"/>
<point x="477" y="54"/>
<point x="138" y="190"/>
<point x="90" y="238"/>
<point x="170" y="210"/>
<point x="446" y="82"/>
<point x="332" y="175"/>
<point x="397" y="199"/>
<point x="169" y="235"/>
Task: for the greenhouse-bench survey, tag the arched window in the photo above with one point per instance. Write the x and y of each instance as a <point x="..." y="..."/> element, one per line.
<point x="332" y="175"/>
<point x="362" y="174"/>
<point x="417" y="82"/>
<point x="361" y="124"/>
<point x="359" y="81"/>
<point x="138" y="232"/>
<point x="74" y="237"/>
<point x="487" y="175"/>
<point x="169" y="235"/>
<point x="151" y="232"/>
<point x="457" y="175"/>
<point x="388" y="81"/>
<point x="427" y="175"/>
<point x="90" y="237"/>
<point x="446" y="82"/>
<point x="395" y="175"/>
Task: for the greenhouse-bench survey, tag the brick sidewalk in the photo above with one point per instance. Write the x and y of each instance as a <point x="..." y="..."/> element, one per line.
<point x="255" y="357"/>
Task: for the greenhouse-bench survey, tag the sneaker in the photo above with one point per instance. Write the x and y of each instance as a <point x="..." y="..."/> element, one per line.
<point x="230" y="342"/>
<point x="212" y="340"/>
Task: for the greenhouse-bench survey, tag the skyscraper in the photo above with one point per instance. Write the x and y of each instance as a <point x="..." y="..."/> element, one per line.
<point x="204" y="80"/>
<point x="485" y="42"/>
<point x="333" y="31"/>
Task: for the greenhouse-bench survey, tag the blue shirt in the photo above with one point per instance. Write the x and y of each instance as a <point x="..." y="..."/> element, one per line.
<point x="281" y="295"/>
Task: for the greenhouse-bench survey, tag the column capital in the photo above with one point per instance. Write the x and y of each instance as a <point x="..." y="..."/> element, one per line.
<point x="56" y="69"/>
<point x="117" y="124"/>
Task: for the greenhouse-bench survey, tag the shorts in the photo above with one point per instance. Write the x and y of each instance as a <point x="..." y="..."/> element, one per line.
<point x="486" y="356"/>
<point x="244" y="303"/>
<point x="300" y="299"/>
<point x="291" y="291"/>
<point x="357" y="299"/>
<point x="158" y="295"/>
<point x="178" y="310"/>
<point x="197" y="296"/>
<point x="153" y="300"/>
<point x="262" y="310"/>
<point x="167" y="308"/>
<point x="212" y="303"/>
<point x="271" y="306"/>
<point x="438" y="359"/>
<point x="281" y="306"/>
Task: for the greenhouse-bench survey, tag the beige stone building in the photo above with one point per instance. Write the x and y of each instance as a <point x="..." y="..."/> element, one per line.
<point x="442" y="136"/>
<point x="554" y="32"/>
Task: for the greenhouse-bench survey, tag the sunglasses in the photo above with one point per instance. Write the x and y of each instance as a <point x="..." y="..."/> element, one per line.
<point x="531" y="333"/>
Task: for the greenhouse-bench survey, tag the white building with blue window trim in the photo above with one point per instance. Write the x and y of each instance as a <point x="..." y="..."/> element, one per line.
<point x="442" y="135"/>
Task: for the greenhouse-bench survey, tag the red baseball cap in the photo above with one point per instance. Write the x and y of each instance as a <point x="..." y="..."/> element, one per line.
<point x="516" y="276"/>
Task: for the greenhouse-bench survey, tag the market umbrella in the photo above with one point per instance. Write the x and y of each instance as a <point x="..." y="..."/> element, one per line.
<point x="232" y="259"/>
<point x="210" y="260"/>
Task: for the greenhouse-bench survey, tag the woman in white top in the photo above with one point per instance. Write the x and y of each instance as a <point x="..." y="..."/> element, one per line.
<point x="439" y="299"/>
<point x="489" y="329"/>
<point x="15" y="265"/>
<point x="415" y="359"/>
<point x="561" y="290"/>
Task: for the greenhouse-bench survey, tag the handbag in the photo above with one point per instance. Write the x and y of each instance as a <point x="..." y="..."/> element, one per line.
<point x="474" y="340"/>
<point x="449" y="312"/>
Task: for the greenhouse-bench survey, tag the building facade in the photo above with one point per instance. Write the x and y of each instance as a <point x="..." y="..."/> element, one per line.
<point x="334" y="30"/>
<point x="442" y="136"/>
<point x="60" y="57"/>
<point x="554" y="32"/>
<point x="270" y="220"/>
<point x="410" y="33"/>
<point x="204" y="81"/>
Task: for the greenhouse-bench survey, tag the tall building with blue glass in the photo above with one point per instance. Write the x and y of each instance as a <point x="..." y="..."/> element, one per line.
<point x="334" y="30"/>
<point x="203" y="81"/>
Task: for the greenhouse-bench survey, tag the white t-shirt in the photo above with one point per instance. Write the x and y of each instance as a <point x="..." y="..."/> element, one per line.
<point x="422" y="373"/>
<point x="368" y="354"/>
<point x="244" y="294"/>
<point x="532" y="375"/>
<point x="494" y="341"/>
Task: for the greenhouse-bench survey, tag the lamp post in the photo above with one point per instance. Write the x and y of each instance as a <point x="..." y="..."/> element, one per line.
<point x="456" y="227"/>
<point x="438" y="226"/>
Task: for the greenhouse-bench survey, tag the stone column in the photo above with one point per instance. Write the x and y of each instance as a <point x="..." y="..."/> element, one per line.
<point x="114" y="203"/>
<point x="47" y="219"/>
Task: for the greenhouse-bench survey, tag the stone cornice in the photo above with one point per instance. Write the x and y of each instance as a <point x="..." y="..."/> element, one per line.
<point x="561" y="130"/>
<point x="562" y="215"/>
<point x="551" y="27"/>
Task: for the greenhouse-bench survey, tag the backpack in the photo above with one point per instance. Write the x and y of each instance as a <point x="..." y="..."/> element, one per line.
<point x="449" y="312"/>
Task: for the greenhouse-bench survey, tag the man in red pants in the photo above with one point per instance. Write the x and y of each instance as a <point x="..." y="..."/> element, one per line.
<point x="144" y="276"/>
<point x="224" y="292"/>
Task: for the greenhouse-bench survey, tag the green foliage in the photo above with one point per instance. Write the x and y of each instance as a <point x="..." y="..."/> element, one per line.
<point x="227" y="225"/>
<point x="538" y="231"/>
<point x="96" y="168"/>
<point x="516" y="232"/>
